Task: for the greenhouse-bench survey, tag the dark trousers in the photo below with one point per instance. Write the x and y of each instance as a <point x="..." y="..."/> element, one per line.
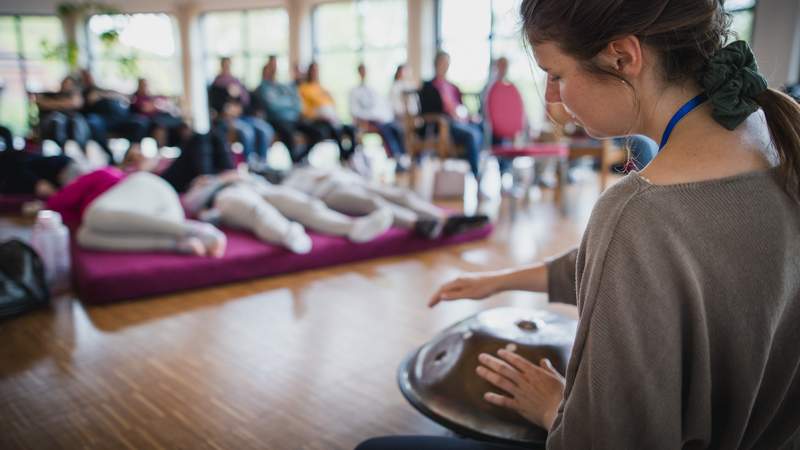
<point x="392" y="136"/>
<point x="132" y="127"/>
<point x="339" y="133"/>
<point x="430" y="443"/>
<point x="202" y="154"/>
<point x="170" y="124"/>
<point x="62" y="126"/>
<point x="285" y="130"/>
<point x="469" y="136"/>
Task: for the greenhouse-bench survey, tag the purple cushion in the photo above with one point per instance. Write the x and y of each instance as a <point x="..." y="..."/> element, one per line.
<point x="12" y="203"/>
<point x="104" y="277"/>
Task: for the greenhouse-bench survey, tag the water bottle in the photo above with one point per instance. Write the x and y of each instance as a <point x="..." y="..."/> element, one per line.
<point x="50" y="239"/>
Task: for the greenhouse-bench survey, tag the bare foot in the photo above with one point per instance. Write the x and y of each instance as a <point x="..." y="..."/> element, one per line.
<point x="192" y="245"/>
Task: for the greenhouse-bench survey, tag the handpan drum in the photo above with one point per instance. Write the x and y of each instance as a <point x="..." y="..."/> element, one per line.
<point x="439" y="378"/>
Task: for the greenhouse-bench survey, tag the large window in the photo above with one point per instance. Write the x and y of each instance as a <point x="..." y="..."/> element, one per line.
<point x="348" y="33"/>
<point x="31" y="60"/>
<point x="125" y="47"/>
<point x="743" y="12"/>
<point x="486" y="31"/>
<point x="248" y="37"/>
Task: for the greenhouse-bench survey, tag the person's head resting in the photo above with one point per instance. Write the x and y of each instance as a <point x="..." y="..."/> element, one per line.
<point x="501" y="66"/>
<point x="362" y="72"/>
<point x="610" y="64"/>
<point x="312" y="72"/>
<point x="225" y="65"/>
<point x="441" y="63"/>
<point x="270" y="69"/>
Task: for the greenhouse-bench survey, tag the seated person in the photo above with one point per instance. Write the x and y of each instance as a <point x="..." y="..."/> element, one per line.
<point x="280" y="104"/>
<point x="319" y="108"/>
<point x="440" y="96"/>
<point x="164" y="115"/>
<point x="347" y="192"/>
<point x="229" y="101"/>
<point x="400" y="86"/>
<point x="59" y="115"/>
<point x="106" y="110"/>
<point x="24" y="172"/>
<point x="275" y="213"/>
<point x="138" y="212"/>
<point x="370" y="109"/>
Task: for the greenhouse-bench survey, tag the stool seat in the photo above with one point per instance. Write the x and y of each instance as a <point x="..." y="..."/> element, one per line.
<point x="532" y="150"/>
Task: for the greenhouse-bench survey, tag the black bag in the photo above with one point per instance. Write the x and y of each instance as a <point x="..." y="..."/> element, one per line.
<point x="22" y="281"/>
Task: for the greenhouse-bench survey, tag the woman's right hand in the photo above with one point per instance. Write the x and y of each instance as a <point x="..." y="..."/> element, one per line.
<point x="476" y="286"/>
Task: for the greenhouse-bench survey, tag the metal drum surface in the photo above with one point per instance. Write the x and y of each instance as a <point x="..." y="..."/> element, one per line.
<point x="439" y="378"/>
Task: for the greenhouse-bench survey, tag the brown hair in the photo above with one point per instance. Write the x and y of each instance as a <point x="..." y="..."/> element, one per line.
<point x="685" y="34"/>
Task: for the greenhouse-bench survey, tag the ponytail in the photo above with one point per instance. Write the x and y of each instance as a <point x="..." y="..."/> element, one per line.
<point x="783" y="119"/>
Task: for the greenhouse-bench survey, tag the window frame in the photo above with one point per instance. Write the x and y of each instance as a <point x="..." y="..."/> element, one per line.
<point x="22" y="60"/>
<point x="361" y="48"/>
<point x="92" y="57"/>
<point x="245" y="52"/>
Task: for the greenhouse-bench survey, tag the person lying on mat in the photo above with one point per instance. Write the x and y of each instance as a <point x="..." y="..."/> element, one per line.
<point x="687" y="279"/>
<point x="345" y="191"/>
<point x="275" y="213"/>
<point x="23" y="172"/>
<point x="137" y="212"/>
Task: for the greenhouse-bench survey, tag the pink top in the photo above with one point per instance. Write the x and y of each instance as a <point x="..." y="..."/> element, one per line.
<point x="451" y="96"/>
<point x="74" y="198"/>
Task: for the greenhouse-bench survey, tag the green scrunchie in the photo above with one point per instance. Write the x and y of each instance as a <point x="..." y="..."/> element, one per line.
<point x="731" y="80"/>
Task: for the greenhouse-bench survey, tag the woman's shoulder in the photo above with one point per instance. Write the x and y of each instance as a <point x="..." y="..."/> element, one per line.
<point x="634" y="207"/>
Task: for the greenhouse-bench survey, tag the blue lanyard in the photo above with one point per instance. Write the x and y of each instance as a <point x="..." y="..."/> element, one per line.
<point x="685" y="109"/>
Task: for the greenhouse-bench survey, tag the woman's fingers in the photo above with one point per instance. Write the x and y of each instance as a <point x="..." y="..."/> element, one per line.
<point x="496" y="379"/>
<point x="499" y="366"/>
<point x="500" y="400"/>
<point x="518" y="362"/>
<point x="448" y="291"/>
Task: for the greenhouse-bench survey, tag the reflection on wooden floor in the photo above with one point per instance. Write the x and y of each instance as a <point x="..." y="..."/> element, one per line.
<point x="304" y="361"/>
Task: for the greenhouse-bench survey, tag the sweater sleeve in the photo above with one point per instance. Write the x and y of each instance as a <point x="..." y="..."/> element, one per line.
<point x="561" y="278"/>
<point x="624" y="380"/>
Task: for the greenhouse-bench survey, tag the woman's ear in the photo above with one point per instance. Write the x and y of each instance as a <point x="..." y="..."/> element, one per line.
<point x="623" y="56"/>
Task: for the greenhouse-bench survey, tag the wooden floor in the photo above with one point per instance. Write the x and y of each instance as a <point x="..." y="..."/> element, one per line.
<point x="305" y="361"/>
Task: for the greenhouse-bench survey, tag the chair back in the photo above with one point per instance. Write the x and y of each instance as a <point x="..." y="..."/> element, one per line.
<point x="505" y="110"/>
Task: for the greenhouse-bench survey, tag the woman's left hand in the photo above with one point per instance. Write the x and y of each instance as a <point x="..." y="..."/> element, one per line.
<point x="535" y="391"/>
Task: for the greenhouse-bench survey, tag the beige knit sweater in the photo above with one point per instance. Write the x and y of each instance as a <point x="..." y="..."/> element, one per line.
<point x="689" y="333"/>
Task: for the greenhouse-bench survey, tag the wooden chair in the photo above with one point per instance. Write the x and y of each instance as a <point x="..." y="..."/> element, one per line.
<point x="425" y="131"/>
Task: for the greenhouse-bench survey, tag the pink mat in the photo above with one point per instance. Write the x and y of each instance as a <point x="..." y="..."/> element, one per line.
<point x="105" y="277"/>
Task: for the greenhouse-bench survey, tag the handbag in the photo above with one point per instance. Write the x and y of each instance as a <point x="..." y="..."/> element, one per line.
<point x="22" y="281"/>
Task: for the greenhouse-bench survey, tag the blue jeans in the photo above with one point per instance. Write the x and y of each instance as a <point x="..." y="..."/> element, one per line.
<point x="469" y="136"/>
<point x="392" y="136"/>
<point x="61" y="126"/>
<point x="255" y="134"/>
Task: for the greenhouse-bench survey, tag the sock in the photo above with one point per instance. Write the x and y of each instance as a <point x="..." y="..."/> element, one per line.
<point x="296" y="239"/>
<point x="459" y="223"/>
<point x="371" y="226"/>
<point x="429" y="228"/>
